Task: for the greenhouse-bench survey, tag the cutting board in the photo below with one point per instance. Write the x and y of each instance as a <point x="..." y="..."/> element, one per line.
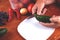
<point x="31" y="29"/>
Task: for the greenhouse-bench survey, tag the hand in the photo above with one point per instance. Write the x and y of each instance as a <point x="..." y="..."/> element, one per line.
<point x="39" y="6"/>
<point x="55" y="22"/>
<point x="55" y="19"/>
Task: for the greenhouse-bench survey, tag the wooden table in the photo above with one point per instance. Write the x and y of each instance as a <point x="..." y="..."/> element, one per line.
<point x="12" y="33"/>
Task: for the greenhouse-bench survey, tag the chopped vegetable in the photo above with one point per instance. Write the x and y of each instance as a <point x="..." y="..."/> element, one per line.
<point x="3" y="31"/>
<point x="3" y="18"/>
<point x="17" y="13"/>
<point x="10" y="13"/>
<point x="42" y="18"/>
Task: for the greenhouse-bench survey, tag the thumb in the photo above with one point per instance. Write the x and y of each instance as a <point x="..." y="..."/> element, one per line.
<point x="52" y="18"/>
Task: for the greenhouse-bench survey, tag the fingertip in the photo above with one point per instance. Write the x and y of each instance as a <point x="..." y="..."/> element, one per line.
<point x="32" y="12"/>
<point x="51" y="19"/>
<point x="41" y="22"/>
<point x="38" y="13"/>
<point x="54" y="16"/>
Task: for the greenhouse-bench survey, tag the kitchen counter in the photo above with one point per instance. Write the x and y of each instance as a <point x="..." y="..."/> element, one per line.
<point x="12" y="33"/>
<point x="12" y="25"/>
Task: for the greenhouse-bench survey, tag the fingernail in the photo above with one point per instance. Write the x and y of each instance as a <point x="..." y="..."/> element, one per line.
<point x="32" y="12"/>
<point x="54" y="16"/>
<point x="50" y="19"/>
<point x="39" y="13"/>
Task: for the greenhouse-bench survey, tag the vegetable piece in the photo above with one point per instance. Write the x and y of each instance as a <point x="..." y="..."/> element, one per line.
<point x="1" y="23"/>
<point x="17" y="13"/>
<point x="10" y="13"/>
<point x="42" y="18"/>
<point x="23" y="11"/>
<point x="3" y="31"/>
<point x="3" y="18"/>
<point x="30" y="7"/>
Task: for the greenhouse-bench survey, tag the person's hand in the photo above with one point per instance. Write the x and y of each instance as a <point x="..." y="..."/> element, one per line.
<point x="39" y="6"/>
<point x="55" y="22"/>
<point x="15" y="4"/>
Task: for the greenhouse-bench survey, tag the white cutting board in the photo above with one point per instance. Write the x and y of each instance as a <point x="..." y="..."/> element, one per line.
<point x="31" y="29"/>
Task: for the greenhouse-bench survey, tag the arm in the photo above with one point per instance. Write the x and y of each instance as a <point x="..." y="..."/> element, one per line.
<point x="13" y="3"/>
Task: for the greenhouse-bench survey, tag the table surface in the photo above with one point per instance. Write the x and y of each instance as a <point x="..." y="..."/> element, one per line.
<point x="12" y="33"/>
